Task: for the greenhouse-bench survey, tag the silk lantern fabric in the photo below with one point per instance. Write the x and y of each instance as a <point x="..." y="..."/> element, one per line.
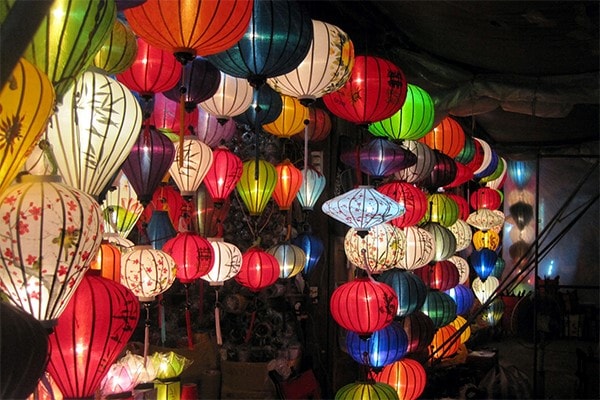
<point x="212" y="131"/>
<point x="223" y="174"/>
<point x="291" y="119"/>
<point x="259" y="269"/>
<point x="265" y="108"/>
<point x="227" y="262"/>
<point x="440" y="307"/>
<point x="147" y="272"/>
<point x="367" y="391"/>
<point x="233" y="97"/>
<point x="419" y="330"/>
<point x="193" y="255"/>
<point x="447" y="137"/>
<point x="313" y="184"/>
<point x="193" y="159"/>
<point x="383" y="347"/>
<point x="407" y="377"/>
<point x="411" y="197"/>
<point x="199" y="81"/>
<point x="313" y="248"/>
<point x="409" y="288"/>
<point x="380" y="249"/>
<point x="256" y="184"/>
<point x="289" y="180"/>
<point x="118" y="50"/>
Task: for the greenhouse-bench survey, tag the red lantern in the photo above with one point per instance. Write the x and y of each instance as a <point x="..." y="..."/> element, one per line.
<point x="441" y="345"/>
<point x="375" y="91"/>
<point x="363" y="305"/>
<point x="259" y="269"/>
<point x="90" y="335"/>
<point x="319" y="125"/>
<point x="419" y="330"/>
<point x="413" y="199"/>
<point x="485" y="198"/>
<point x="477" y="159"/>
<point x="443" y="275"/>
<point x="463" y="206"/>
<point x="463" y="175"/>
<point x="448" y="137"/>
<point x="223" y="174"/>
<point x="166" y="116"/>
<point x="407" y="376"/>
<point x="289" y="180"/>
<point x="192" y="253"/>
<point x="166" y="198"/>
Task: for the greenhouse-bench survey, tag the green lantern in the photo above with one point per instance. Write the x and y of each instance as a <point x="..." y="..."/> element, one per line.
<point x="441" y="209"/>
<point x="256" y="184"/>
<point x="118" y="51"/>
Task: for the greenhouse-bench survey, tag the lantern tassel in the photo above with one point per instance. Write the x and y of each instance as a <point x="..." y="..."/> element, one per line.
<point x="181" y="122"/>
<point x="218" y="319"/>
<point x="188" y="317"/>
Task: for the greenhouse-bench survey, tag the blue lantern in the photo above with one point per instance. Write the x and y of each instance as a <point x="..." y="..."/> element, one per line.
<point x="265" y="108"/>
<point x="160" y="229"/>
<point x="440" y="307"/>
<point x="463" y="296"/>
<point x="519" y="172"/>
<point x="498" y="268"/>
<point x="483" y="262"/>
<point x="383" y="347"/>
<point x="312" y="246"/>
<point x="411" y="289"/>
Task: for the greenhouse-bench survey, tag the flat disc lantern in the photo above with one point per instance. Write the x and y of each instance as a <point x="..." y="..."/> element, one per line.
<point x="223" y="174"/>
<point x="447" y="137"/>
<point x="380" y="158"/>
<point x="190" y="165"/>
<point x="485" y="219"/>
<point x="380" y="249"/>
<point x="408" y="195"/>
<point x="259" y="269"/>
<point x="256" y="184"/>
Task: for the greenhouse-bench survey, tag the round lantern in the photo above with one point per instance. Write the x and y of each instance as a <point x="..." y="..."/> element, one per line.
<point x="223" y="174"/>
<point x="383" y="347"/>
<point x="463" y="206"/>
<point x="93" y="131"/>
<point x="379" y="158"/>
<point x="319" y="125"/>
<point x="26" y="103"/>
<point x="199" y="82"/>
<point x="445" y="342"/>
<point x="366" y="391"/>
<point x="193" y="255"/>
<point x="166" y="117"/>
<point x="147" y="272"/>
<point x="420" y="248"/>
<point x="159" y="229"/>
<point x="68" y="37"/>
<point x="442" y="275"/>
<point x="259" y="269"/>
<point x="209" y="214"/>
<point x="463" y="175"/>
<point x="24" y="348"/>
<point x="290" y="257"/>
<point x="462" y="233"/>
<point x="442" y="174"/>
<point x="375" y="90"/>
<point x="289" y="180"/>
<point x="488" y="240"/>
<point x="363" y="305"/>
<point x="291" y="119"/>
<point x="424" y="165"/>
<point x="412" y="121"/>
<point x="190" y="165"/>
<point x="233" y="97"/>
<point x="411" y="197"/>
<point x="256" y="184"/>
<point x="442" y="209"/>
<point x="406" y="376"/>
<point x="464" y="298"/>
<point x="325" y="68"/>
<point x="313" y="184"/>
<point x="520" y="172"/>
<point x="485" y="289"/>
<point x="108" y="261"/>
<point x="362" y="208"/>
<point x="458" y="324"/>
<point x="380" y="249"/>
<point x="492" y="314"/>
<point x="212" y="131"/>
<point x="485" y="198"/>
<point x="118" y="51"/>
<point x="51" y="233"/>
<point x="483" y="262"/>
<point x="440" y="308"/>
<point x="90" y="335"/>
<point x="265" y="108"/>
<point x="444" y="241"/>
<point x="148" y="162"/>
<point x="227" y="262"/>
<point x="447" y="137"/>
<point x="121" y="208"/>
<point x="409" y="288"/>
<point x="313" y="248"/>
<point x="463" y="268"/>
<point x="419" y="330"/>
<point x="467" y="153"/>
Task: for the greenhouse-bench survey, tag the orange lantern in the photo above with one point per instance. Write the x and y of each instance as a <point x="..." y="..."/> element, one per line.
<point x="448" y="137"/>
<point x="445" y="342"/>
<point x="458" y="323"/>
<point x="289" y="180"/>
<point x="407" y="376"/>
<point x="108" y="261"/>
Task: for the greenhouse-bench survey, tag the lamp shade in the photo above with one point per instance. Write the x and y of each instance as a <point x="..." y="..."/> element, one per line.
<point x="422" y="168"/>
<point x="444" y="241"/>
<point x="408" y="195"/>
<point x="259" y="269"/>
<point x="406" y="376"/>
<point x="380" y="158"/>
<point x="447" y="137"/>
<point x="190" y="165"/>
<point x="166" y="116"/>
<point x="486" y="240"/>
<point x="159" y="229"/>
<point x="147" y="272"/>
<point x="463" y="268"/>
<point x="484" y="289"/>
<point x="498" y="182"/>
<point x="492" y="314"/>
<point x="91" y="333"/>
<point x="367" y="391"/>
<point x="499" y="268"/>
<point x="193" y="255"/>
<point x="441" y="275"/>
<point x="290" y="257"/>
<point x="291" y="119"/>
<point x="209" y="214"/>
<point x="420" y="248"/>
<point x="458" y="323"/>
<point x="419" y="331"/>
<point x="51" y="233"/>
<point x="223" y="174"/>
<point x="442" y="209"/>
<point x="265" y="108"/>
<point x="233" y="97"/>
<point x="467" y="153"/>
<point x="313" y="248"/>
<point x="108" y="261"/>
<point x="442" y="174"/>
<point x="289" y="180"/>
<point x="121" y="208"/>
<point x="409" y="288"/>
<point x="226" y="264"/>
<point x="256" y="184"/>
<point x="462" y="233"/>
<point x="313" y="184"/>
<point x="439" y="307"/>
<point x="485" y="219"/>
<point x="27" y="102"/>
<point x="483" y="262"/>
<point x="445" y="342"/>
<point x="464" y="298"/>
<point x="485" y="198"/>
<point x="212" y="131"/>
<point x="319" y="125"/>
<point x="363" y="305"/>
<point x="200" y="81"/>
<point x="118" y="50"/>
<point x="520" y="172"/>
<point x="380" y="249"/>
<point x="383" y="347"/>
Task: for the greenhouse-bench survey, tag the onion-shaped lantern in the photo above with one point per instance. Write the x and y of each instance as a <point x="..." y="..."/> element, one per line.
<point x="108" y="261"/>
<point x="485" y="219"/>
<point x="313" y="248"/>
<point x="442" y="209"/>
<point x="483" y="262"/>
<point x="290" y="257"/>
<point x="411" y="197"/>
<point x="289" y="180"/>
<point x="256" y="184"/>
<point x="193" y="255"/>
<point x="121" y="208"/>
<point x="498" y="268"/>
<point x="445" y="342"/>
<point x="200" y="81"/>
<point x="376" y="90"/>
<point x="484" y="289"/>
<point x="50" y="235"/>
<point x="313" y="184"/>
<point x="223" y="174"/>
<point x="420" y="248"/>
<point x="464" y="298"/>
<point x="380" y="158"/>
<point x="485" y="198"/>
<point x="462" y="233"/>
<point x="447" y="137"/>
<point x="412" y="121"/>
<point x="442" y="174"/>
<point x="492" y="314"/>
<point x="190" y="165"/>
<point x="367" y="391"/>
<point x="363" y="305"/>
<point x="147" y="272"/>
<point x="166" y="117"/>
<point x="444" y="241"/>
<point x="259" y="269"/>
<point x="419" y="330"/>
<point x="409" y="288"/>
<point x="442" y="275"/>
<point x="458" y="324"/>
<point x="440" y="307"/>
<point x="383" y="347"/>
<point x="486" y="240"/>
<point x="209" y="214"/>
<point x="91" y="333"/>
<point x="265" y="108"/>
<point x="463" y="268"/>
<point x="319" y="125"/>
<point x="424" y="165"/>
<point x="212" y="131"/>
<point x="406" y="376"/>
<point x="463" y="206"/>
<point x="118" y="51"/>
<point x="233" y="97"/>
<point x="380" y="249"/>
<point x="226" y="264"/>
<point x="291" y="119"/>
<point x="362" y="208"/>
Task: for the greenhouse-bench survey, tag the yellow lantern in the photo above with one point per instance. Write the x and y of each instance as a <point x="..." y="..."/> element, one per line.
<point x="486" y="239"/>
<point x="118" y="51"/>
<point x="291" y="119"/>
<point x="458" y="323"/>
<point x="256" y="184"/>
<point x="26" y="103"/>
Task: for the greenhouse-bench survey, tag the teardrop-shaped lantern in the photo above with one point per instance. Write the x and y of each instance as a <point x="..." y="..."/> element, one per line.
<point x="367" y="391"/>
<point x="193" y="255"/>
<point x="380" y="158"/>
<point x="256" y="184"/>
<point x="121" y="208"/>
<point x="441" y="275"/>
<point x="290" y="257"/>
<point x="383" y="347"/>
<point x="424" y="165"/>
<point x="380" y="249"/>
<point x="447" y="137"/>
<point x="211" y="131"/>
<point x="485" y="198"/>
<point x="408" y="195"/>
<point x="492" y="314"/>
<point x="313" y="184"/>
<point x="200" y="80"/>
<point x="313" y="248"/>
<point x="420" y="248"/>
<point x="485" y="289"/>
<point x="440" y="307"/>
<point x="289" y="180"/>
<point x="441" y="209"/>
<point x="407" y="377"/>
<point x="483" y="262"/>
<point x="233" y="97"/>
<point x="118" y="51"/>
<point x="419" y="330"/>
<point x="51" y="233"/>
<point x="191" y="165"/>
<point x="265" y="108"/>
<point x="147" y="272"/>
<point x="166" y="117"/>
<point x="409" y="288"/>
<point x="464" y="298"/>
<point x="291" y="119"/>
<point x="520" y="172"/>
<point x="227" y="262"/>
<point x="486" y="240"/>
<point x="462" y="233"/>
<point x="442" y="174"/>
<point x="445" y="243"/>
<point x="259" y="269"/>
<point x="445" y="343"/>
<point x="223" y="174"/>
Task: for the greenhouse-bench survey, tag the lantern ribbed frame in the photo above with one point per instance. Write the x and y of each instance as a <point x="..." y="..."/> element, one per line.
<point x="147" y="272"/>
<point x="496" y="173"/>
<point x="233" y="97"/>
<point x="442" y="174"/>
<point x="380" y="158"/>
<point x="419" y="330"/>
<point x="492" y="314"/>
<point x="313" y="248"/>
<point x="463" y="175"/>
<point x="289" y="181"/>
<point x="189" y="170"/>
<point x="441" y="209"/>
<point x="463" y="268"/>
<point x="407" y="377"/>
<point x="223" y="174"/>
<point x="447" y="137"/>
<point x="256" y="184"/>
<point x="108" y="261"/>
<point x="118" y="51"/>
<point x="458" y="323"/>
<point x="483" y="262"/>
<point x="409" y="288"/>
<point x="441" y="275"/>
<point x="290" y="257"/>
<point x="200" y="79"/>
<point x="440" y="307"/>
<point x="166" y="116"/>
<point x="291" y="119"/>
<point x="160" y="229"/>
<point x="441" y="345"/>
<point x="366" y="391"/>
<point x="411" y="197"/>
<point x="463" y="205"/>
<point x="121" y="208"/>
<point x="420" y="248"/>
<point x="484" y="219"/>
<point x="259" y="269"/>
<point x="193" y="255"/>
<point x="444" y="241"/>
<point x="265" y="108"/>
<point x="462" y="233"/>
<point x="383" y="347"/>
<point x="464" y="298"/>
<point x="212" y="131"/>
<point x="227" y="262"/>
<point x="422" y="168"/>
<point x="484" y="289"/>
<point x="498" y="182"/>
<point x="209" y="215"/>
<point x="486" y="240"/>
<point x="319" y="125"/>
<point x="520" y="172"/>
<point x="467" y="153"/>
<point x="380" y="249"/>
<point x="485" y="198"/>
<point x="313" y="184"/>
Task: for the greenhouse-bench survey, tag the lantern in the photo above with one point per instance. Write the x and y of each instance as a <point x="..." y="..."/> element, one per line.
<point x="441" y="275"/>
<point x="227" y="262"/>
<point x="447" y="137"/>
<point x="380" y="249"/>
<point x="108" y="261"/>
<point x="325" y="68"/>
<point x="147" y="272"/>
<point x="291" y="259"/>
<point x="409" y="288"/>
<point x="289" y="180"/>
<point x="319" y="125"/>
<point x="467" y="153"/>
<point x="362" y="208"/>
<point x="406" y="376"/>
<point x="498" y="268"/>
<point x="464" y="298"/>
<point x="500" y="167"/>
<point x="291" y="119"/>
<point x="211" y="131"/>
<point x="121" y="208"/>
<point x="420" y="248"/>
<point x="463" y="175"/>
<point x="256" y="184"/>
<point x="462" y="233"/>
<point x="259" y="269"/>
<point x="363" y="305"/>
<point x="486" y="160"/>
<point x="166" y="117"/>
<point x="463" y="206"/>
<point x="160" y="229"/>
<point x="210" y="215"/>
<point x="313" y="184"/>
<point x="488" y="240"/>
<point x="485" y="289"/>
<point x="380" y="157"/>
<point x="148" y="162"/>
<point x="483" y="262"/>
<point x="313" y="248"/>
<point x="419" y="330"/>
<point x="489" y="166"/>
<point x="118" y="51"/>
<point x="463" y="268"/>
<point x="442" y="210"/>
<point x="26" y="103"/>
<point x="191" y="165"/>
<point x="375" y="90"/>
<point x="492" y="314"/>
<point x="51" y="234"/>
<point x="520" y="172"/>
<point x="193" y="255"/>
<point x="440" y="308"/>
<point x="458" y="323"/>
<point x="498" y="182"/>
<point x="383" y="347"/>
<point x="93" y="131"/>
<point x="412" y="198"/>
<point x="265" y="108"/>
<point x="445" y="342"/>
<point x="233" y="97"/>
<point x="199" y="82"/>
<point x="485" y="219"/>
<point x="444" y="241"/>
<point x="442" y="174"/>
<point x="166" y="198"/>
<point x="68" y="38"/>
<point x="128" y="372"/>
<point x="367" y="391"/>
<point x="477" y="159"/>
<point x="90" y="335"/>
<point x="521" y="213"/>
<point x="223" y="174"/>
<point x="485" y="198"/>
<point x="424" y="165"/>
<point x="412" y="121"/>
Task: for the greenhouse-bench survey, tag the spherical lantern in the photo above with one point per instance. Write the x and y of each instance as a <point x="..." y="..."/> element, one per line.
<point x="148" y="162"/>
<point x="24" y="348"/>
<point x="409" y="288"/>
<point x="108" y="261"/>
<point x="290" y="257"/>
<point x="227" y="262"/>
<point x="366" y="391"/>
<point x="463" y="268"/>
<point x="420" y="248"/>
<point x="51" y="233"/>
<point x="200" y="82"/>
<point x="256" y="184"/>
<point x="424" y="165"/>
<point x="291" y="119"/>
<point x="407" y="377"/>
<point x="193" y="255"/>
<point x="488" y="240"/>
<point x="313" y="184"/>
<point x="166" y="117"/>
<point x="483" y="262"/>
<point x="463" y="206"/>
<point x="159" y="229"/>
<point x="419" y="331"/>
<point x="277" y="39"/>
<point x="458" y="323"/>
<point x="408" y="195"/>
<point x="147" y="272"/>
<point x="445" y="342"/>
<point x="441" y="275"/>
<point x="467" y="153"/>
<point x="380" y="249"/>
<point x="440" y="307"/>
<point x="362" y="208"/>
<point x="210" y="215"/>
<point x="91" y="333"/>
<point x="485" y="219"/>
<point x="325" y="68"/>
<point x="375" y="90"/>
<point x="26" y="103"/>
<point x="193" y="27"/>
<point x="383" y="347"/>
<point x="520" y="172"/>
<point x="363" y="305"/>
<point x="485" y="289"/>
<point x="444" y="241"/>
<point x="462" y="233"/>
<point x="464" y="298"/>
<point x="68" y="37"/>
<point x="121" y="208"/>
<point x="380" y="158"/>
<point x="313" y="248"/>
<point x="319" y="125"/>
<point x="233" y="97"/>
<point x="265" y="108"/>
<point x="412" y="121"/>
<point x="442" y="209"/>
<point x="259" y="269"/>
<point x="211" y="131"/>
<point x="289" y="180"/>
<point x="485" y="198"/>
<point x="93" y="131"/>
<point x="492" y="314"/>
<point x="442" y="174"/>
<point x="223" y="174"/>
<point x="118" y="51"/>
<point x="447" y="137"/>
<point x="190" y="165"/>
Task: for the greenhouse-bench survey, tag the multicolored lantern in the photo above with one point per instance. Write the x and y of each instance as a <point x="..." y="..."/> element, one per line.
<point x="463" y="206"/>
<point x="409" y="288"/>
<point x="383" y="347"/>
<point x="193" y="255"/>
<point x="289" y="181"/>
<point x="463" y="268"/>
<point x="406" y="376"/>
<point x="259" y="269"/>
<point x="380" y="249"/>
<point x="256" y="184"/>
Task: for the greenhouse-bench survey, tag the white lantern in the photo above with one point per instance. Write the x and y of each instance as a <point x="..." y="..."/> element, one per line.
<point x="462" y="233"/>
<point x="382" y="248"/>
<point x="147" y="272"/>
<point x="232" y="98"/>
<point x="420" y="248"/>
<point x="190" y="165"/>
<point x="227" y="262"/>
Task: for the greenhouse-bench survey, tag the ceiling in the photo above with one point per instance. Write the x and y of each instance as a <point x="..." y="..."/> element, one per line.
<point x="493" y="65"/>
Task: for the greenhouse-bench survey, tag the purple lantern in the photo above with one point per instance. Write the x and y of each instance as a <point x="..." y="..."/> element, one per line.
<point x="200" y="80"/>
<point x="463" y="296"/>
<point x="380" y="157"/>
<point x="443" y="173"/>
<point x="211" y="131"/>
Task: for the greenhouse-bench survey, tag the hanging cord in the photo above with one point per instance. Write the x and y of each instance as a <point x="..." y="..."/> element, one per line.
<point x="188" y="317"/>
<point x="182" y="92"/>
<point x="146" y="332"/>
<point x="162" y="323"/>
<point x="218" y="318"/>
